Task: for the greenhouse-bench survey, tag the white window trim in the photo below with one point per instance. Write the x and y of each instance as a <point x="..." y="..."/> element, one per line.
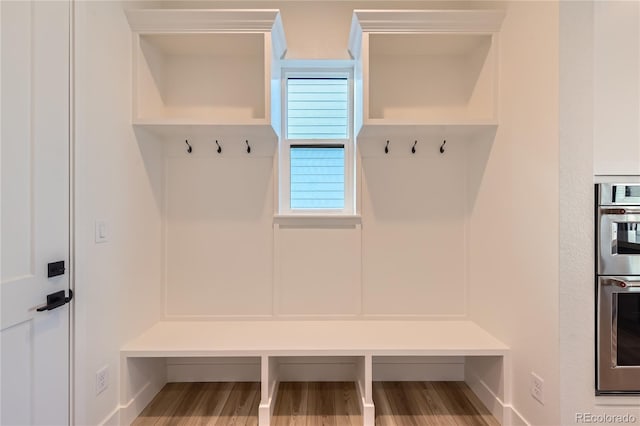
<point x="284" y="161"/>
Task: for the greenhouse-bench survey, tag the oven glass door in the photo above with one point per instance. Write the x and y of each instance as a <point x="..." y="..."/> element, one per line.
<point x="619" y="194"/>
<point x="619" y="334"/>
<point x="627" y="327"/>
<point x="619" y="241"/>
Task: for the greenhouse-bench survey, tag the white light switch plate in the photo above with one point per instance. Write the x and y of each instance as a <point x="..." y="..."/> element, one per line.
<point x="102" y="232"/>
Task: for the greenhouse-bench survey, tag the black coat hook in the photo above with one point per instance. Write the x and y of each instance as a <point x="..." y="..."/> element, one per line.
<point x="189" y="149"/>
<point x="386" y="148"/>
<point x="442" y="146"/>
<point x="248" y="147"/>
<point x="413" y="148"/>
<point x="219" y="147"/>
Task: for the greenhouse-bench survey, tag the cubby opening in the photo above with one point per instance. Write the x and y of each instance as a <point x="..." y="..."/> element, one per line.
<point x="317" y="403"/>
<point x="429" y="403"/>
<point x="431" y="78"/>
<point x="204" y="390"/>
<point x="203" y="403"/>
<point x="214" y="78"/>
<point x="313" y="388"/>
<point x="432" y="389"/>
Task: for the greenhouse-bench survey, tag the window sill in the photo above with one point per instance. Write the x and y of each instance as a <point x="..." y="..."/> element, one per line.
<point x="312" y="219"/>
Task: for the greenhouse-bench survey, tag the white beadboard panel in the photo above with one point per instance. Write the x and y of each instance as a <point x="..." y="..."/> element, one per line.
<point x="418" y="368"/>
<point x="317" y="372"/>
<point x="409" y="360"/>
<point x="303" y="369"/>
<point x="219" y="236"/>
<point x="319" y="270"/>
<point x="427" y="372"/>
<point x="297" y="369"/>
<point x="414" y="227"/>
<point x="225" y="369"/>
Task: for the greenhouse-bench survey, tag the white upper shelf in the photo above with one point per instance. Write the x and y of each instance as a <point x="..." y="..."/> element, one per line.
<point x="426" y="70"/>
<point x="206" y="71"/>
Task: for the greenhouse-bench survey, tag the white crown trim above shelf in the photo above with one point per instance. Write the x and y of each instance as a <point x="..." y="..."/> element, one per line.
<point x="210" y="20"/>
<point x="183" y="20"/>
<point x="429" y="20"/>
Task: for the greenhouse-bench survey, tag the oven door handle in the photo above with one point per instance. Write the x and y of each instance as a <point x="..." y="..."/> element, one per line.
<point x="614" y="331"/>
<point x="619" y="282"/>
<point x="619" y="210"/>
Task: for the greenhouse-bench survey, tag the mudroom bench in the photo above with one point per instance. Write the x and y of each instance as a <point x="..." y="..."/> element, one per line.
<point x="264" y="344"/>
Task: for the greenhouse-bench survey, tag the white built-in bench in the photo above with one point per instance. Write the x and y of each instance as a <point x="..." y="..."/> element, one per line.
<point x="144" y="358"/>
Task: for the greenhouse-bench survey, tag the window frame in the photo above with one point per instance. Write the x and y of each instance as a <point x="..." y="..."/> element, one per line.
<point x="284" y="159"/>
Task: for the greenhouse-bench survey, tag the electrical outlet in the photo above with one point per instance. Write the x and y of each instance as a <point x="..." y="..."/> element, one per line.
<point x="102" y="379"/>
<point x="537" y="388"/>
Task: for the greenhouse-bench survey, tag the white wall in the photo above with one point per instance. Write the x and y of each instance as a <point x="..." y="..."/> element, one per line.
<point x="513" y="250"/>
<point x="583" y="49"/>
<point x="414" y="221"/>
<point x="218" y="219"/>
<point x="118" y="179"/>
<point x="318" y="271"/>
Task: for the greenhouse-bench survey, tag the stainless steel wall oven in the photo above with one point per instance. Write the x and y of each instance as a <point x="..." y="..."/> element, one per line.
<point x="618" y="289"/>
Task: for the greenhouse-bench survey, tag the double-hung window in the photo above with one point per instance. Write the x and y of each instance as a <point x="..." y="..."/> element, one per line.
<point x="316" y="147"/>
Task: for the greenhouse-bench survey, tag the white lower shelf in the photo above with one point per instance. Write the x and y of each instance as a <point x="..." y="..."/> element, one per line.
<point x="314" y="338"/>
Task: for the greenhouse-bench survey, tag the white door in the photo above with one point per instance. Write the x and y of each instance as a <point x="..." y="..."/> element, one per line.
<point x="35" y="211"/>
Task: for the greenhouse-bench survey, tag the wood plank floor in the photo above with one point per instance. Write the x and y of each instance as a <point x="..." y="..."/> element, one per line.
<point x="317" y="404"/>
<point x="429" y="404"/>
<point x="194" y="404"/>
